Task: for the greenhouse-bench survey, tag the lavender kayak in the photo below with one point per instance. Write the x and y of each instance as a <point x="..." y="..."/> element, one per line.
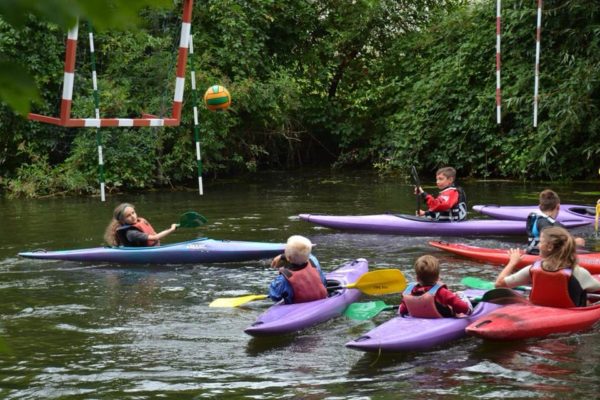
<point x="568" y="212"/>
<point x="287" y="318"/>
<point x="194" y="251"/>
<point x="409" y="334"/>
<point x="402" y="224"/>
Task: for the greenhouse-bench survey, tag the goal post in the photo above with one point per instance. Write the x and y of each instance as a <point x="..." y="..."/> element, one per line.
<point x="146" y="120"/>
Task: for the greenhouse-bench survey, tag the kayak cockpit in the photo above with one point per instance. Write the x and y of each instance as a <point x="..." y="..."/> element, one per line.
<point x="583" y="210"/>
<point x="334" y="288"/>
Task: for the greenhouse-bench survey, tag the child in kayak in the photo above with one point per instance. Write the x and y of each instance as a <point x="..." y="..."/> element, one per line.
<point x="127" y="229"/>
<point x="556" y="279"/>
<point x="451" y="203"/>
<point x="543" y="218"/>
<point x="428" y="297"/>
<point x="300" y="277"/>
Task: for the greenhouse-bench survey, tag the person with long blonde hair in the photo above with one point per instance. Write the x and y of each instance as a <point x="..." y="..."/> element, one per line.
<point x="127" y="229"/>
<point x="556" y="279"/>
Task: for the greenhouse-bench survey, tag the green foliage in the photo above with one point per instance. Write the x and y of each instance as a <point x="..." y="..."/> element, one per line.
<point x="381" y="84"/>
<point x="443" y="94"/>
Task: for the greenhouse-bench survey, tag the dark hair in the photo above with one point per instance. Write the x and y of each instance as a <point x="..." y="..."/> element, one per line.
<point x="563" y="253"/>
<point x="549" y="200"/>
<point x="448" y="172"/>
<point x="427" y="269"/>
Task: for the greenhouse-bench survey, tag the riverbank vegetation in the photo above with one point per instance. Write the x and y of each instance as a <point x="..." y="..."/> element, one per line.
<point x="364" y="84"/>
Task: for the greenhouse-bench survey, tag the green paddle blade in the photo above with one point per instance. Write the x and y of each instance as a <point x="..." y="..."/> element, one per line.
<point x="477" y="283"/>
<point x="362" y="311"/>
<point x="191" y="219"/>
<point x="236" y="301"/>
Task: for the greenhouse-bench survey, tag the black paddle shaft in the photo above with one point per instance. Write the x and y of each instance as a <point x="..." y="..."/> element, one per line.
<point x="415" y="177"/>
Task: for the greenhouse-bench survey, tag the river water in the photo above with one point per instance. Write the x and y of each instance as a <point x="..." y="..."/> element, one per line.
<point x="100" y="331"/>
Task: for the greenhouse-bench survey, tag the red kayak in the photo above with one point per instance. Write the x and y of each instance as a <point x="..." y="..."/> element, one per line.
<point x="522" y="321"/>
<point x="589" y="261"/>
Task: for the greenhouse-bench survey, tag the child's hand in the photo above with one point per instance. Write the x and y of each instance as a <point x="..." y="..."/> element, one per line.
<point x="514" y="256"/>
<point x="275" y="262"/>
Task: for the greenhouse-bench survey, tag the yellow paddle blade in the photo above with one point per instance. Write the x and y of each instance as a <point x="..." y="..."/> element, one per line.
<point x="383" y="281"/>
<point x="236" y="301"/>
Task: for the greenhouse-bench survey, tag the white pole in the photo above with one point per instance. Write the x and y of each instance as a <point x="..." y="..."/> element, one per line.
<point x="498" y="58"/>
<point x="536" y="85"/>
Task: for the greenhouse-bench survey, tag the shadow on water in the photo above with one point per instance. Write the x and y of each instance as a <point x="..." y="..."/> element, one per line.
<point x="262" y="344"/>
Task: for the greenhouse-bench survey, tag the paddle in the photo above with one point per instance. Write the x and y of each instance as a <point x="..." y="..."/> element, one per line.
<point x="417" y="182"/>
<point x="597" y="216"/>
<point x="383" y="281"/>
<point x="191" y="219"/>
<point x="478" y="283"/>
<point x="369" y="309"/>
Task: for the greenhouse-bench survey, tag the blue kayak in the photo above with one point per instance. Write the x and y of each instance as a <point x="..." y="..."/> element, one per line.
<point x="201" y="250"/>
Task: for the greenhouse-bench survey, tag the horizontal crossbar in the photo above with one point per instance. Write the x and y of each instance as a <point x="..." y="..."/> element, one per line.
<point x="104" y="122"/>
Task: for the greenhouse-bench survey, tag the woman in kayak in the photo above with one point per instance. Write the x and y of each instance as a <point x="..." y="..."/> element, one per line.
<point x="556" y="279"/>
<point x="543" y="218"/>
<point x="451" y="203"/>
<point x="300" y="277"/>
<point x="428" y="297"/>
<point x="127" y="229"/>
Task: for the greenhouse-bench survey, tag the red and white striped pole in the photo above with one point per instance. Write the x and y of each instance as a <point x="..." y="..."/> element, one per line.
<point x="69" y="74"/>
<point x="536" y="86"/>
<point x="184" y="43"/>
<point x="498" y="58"/>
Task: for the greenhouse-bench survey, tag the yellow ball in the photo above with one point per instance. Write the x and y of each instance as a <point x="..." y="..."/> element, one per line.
<point x="217" y="98"/>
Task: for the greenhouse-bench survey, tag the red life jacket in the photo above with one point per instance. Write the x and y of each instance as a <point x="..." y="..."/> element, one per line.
<point x="141" y="225"/>
<point x="456" y="211"/>
<point x="550" y="289"/>
<point x="424" y="305"/>
<point x="306" y="283"/>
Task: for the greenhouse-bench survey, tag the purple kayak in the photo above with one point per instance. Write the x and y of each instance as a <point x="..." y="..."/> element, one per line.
<point x="410" y="334"/>
<point x="568" y="212"/>
<point x="402" y="224"/>
<point x="288" y="318"/>
<point x="194" y="251"/>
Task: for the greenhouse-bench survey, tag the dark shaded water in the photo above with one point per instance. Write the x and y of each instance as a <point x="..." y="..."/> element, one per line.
<point x="78" y="331"/>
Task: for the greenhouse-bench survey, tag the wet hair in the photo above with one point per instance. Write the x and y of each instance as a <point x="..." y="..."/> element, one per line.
<point x="563" y="253"/>
<point x="427" y="269"/>
<point x="549" y="200"/>
<point x="448" y="172"/>
<point x="297" y="249"/>
<point x="110" y="234"/>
